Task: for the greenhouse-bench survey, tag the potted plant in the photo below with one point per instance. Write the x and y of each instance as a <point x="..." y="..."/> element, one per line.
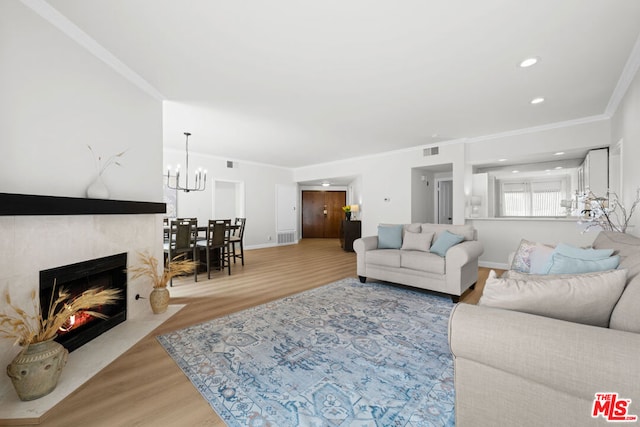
<point x="35" y="371"/>
<point x="148" y="267"/>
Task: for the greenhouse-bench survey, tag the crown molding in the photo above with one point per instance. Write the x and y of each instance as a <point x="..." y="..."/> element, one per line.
<point x="628" y="73"/>
<point x="58" y="20"/>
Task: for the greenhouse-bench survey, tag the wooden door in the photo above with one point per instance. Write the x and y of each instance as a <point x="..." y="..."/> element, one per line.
<point x="322" y="213"/>
<point x="312" y="214"/>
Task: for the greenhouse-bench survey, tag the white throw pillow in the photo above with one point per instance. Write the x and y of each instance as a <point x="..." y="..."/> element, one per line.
<point x="417" y="241"/>
<point x="581" y="298"/>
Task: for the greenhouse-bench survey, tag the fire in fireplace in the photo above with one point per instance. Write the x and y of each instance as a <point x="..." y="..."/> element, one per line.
<point x="107" y="272"/>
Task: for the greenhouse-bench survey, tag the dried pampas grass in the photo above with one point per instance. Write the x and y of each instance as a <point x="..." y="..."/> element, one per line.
<point x="149" y="268"/>
<point x="25" y="328"/>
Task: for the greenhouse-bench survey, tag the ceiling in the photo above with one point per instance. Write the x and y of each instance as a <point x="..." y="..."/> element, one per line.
<point x="294" y="83"/>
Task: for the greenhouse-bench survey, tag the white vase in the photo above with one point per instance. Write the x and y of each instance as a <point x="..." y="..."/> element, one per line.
<point x="97" y="189"/>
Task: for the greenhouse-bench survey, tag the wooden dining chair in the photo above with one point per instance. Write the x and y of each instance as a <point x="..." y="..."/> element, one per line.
<point x="217" y="243"/>
<point x="238" y="237"/>
<point x="182" y="240"/>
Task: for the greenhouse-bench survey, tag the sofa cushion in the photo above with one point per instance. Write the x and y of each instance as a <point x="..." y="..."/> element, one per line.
<point x="561" y="264"/>
<point x="389" y="236"/>
<point x="625" y="245"/>
<point x="417" y="241"/>
<point x="413" y="228"/>
<point x="626" y="315"/>
<point x="467" y="231"/>
<point x="587" y="299"/>
<point x="522" y="258"/>
<point x="385" y="257"/>
<point x="588" y="254"/>
<point x="445" y="241"/>
<point x="541" y="259"/>
<point x="422" y="261"/>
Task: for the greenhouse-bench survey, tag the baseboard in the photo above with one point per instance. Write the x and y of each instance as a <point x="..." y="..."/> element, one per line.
<point x="496" y="265"/>
<point x="269" y="245"/>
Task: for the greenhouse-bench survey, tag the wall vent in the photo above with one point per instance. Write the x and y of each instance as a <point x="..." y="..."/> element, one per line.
<point x="431" y="151"/>
<point x="229" y="164"/>
<point x="285" y="237"/>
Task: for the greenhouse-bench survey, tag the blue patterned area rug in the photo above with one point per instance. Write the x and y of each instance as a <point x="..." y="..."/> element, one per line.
<point x="345" y="354"/>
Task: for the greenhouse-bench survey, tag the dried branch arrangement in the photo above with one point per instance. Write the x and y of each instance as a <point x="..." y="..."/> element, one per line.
<point x="149" y="268"/>
<point x="25" y="328"/>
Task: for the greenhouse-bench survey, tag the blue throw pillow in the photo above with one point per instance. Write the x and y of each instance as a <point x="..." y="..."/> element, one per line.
<point x="445" y="240"/>
<point x="561" y="264"/>
<point x="389" y="236"/>
<point x="585" y="254"/>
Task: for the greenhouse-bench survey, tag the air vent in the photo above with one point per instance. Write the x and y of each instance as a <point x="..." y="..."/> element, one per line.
<point x="229" y="164"/>
<point x="286" y="237"/>
<point x="431" y="151"/>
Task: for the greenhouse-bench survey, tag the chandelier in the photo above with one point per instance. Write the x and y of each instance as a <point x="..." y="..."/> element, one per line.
<point x="201" y="177"/>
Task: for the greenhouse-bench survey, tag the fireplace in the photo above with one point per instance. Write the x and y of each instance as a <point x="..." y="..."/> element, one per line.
<point x="107" y="272"/>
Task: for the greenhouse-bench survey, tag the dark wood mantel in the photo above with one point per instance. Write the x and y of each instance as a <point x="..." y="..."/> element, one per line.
<point x="28" y="204"/>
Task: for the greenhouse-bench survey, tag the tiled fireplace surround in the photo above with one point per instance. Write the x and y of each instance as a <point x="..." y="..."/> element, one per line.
<point x="29" y="244"/>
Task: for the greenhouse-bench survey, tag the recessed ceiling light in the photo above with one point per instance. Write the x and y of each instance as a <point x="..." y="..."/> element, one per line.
<point x="502" y="160"/>
<point x="559" y="153"/>
<point x="325" y="184"/>
<point x="529" y="62"/>
<point x="515" y="171"/>
<point x="537" y="100"/>
<point x="558" y="167"/>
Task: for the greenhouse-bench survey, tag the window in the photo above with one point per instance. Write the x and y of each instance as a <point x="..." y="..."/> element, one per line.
<point x="535" y="197"/>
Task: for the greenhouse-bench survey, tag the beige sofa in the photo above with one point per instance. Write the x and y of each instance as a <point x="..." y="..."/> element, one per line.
<point x="519" y="369"/>
<point x="453" y="274"/>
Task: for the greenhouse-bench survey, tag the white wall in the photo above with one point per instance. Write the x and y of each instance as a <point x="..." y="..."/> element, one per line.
<point x="626" y="126"/>
<point x="386" y="182"/>
<point x="259" y="186"/>
<point x="500" y="237"/>
<point x="55" y="98"/>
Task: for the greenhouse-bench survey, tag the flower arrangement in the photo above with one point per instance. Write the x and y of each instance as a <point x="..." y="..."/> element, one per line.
<point x="25" y="328"/>
<point x="606" y="213"/>
<point x="149" y="268"/>
<point x="346" y="209"/>
<point x="113" y="160"/>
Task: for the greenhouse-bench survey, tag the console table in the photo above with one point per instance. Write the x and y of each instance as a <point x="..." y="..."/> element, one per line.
<point x="349" y="231"/>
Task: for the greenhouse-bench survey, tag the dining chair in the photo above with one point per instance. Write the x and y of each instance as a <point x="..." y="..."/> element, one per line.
<point x="217" y="242"/>
<point x="238" y="237"/>
<point x="182" y="240"/>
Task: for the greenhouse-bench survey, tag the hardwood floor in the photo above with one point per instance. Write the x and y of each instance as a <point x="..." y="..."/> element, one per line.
<point x="144" y="386"/>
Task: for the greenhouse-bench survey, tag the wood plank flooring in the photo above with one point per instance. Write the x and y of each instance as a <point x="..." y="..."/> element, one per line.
<point x="144" y="386"/>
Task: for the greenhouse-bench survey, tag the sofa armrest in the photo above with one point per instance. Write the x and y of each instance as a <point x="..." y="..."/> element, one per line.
<point x="572" y="358"/>
<point x="364" y="244"/>
<point x="460" y="254"/>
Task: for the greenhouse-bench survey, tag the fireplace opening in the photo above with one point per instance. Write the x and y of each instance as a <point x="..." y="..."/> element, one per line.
<point x="103" y="273"/>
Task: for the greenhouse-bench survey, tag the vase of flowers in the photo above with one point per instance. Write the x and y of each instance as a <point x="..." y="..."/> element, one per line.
<point x="148" y="267"/>
<point x="35" y="371"/>
<point x="605" y="212"/>
<point x="347" y="212"/>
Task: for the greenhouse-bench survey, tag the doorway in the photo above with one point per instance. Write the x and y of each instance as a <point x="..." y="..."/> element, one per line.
<point x="322" y="213"/>
<point x="445" y="201"/>
<point x="228" y="199"/>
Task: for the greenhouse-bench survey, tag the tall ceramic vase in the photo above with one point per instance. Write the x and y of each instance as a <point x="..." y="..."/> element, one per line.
<point x="98" y="189"/>
<point x="35" y="372"/>
<point x="159" y="300"/>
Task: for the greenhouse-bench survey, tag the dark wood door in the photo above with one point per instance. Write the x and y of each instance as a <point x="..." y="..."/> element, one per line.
<point x="322" y="213"/>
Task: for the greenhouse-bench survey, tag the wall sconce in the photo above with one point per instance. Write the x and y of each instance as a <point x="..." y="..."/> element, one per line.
<point x="476" y="201"/>
<point x="354" y="210"/>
